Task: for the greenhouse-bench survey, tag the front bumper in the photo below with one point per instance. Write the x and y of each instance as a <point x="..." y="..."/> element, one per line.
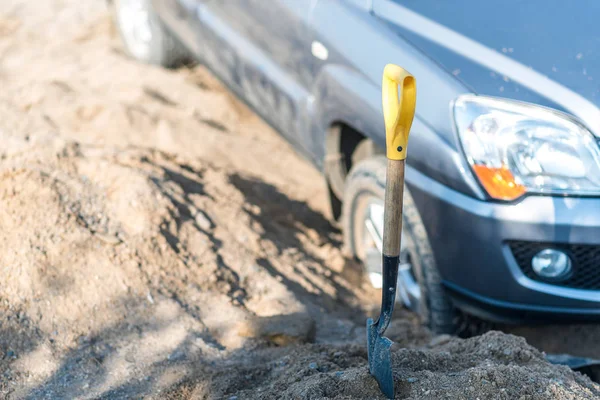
<point x="469" y="240"/>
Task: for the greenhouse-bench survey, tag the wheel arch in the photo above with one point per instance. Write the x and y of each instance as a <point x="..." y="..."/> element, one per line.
<point x="347" y="124"/>
<point x="345" y="146"/>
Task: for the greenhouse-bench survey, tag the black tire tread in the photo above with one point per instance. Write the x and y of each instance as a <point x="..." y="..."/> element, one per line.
<point x="167" y="51"/>
<point x="174" y="54"/>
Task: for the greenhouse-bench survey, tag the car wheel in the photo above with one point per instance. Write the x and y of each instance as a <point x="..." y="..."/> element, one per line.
<point x="419" y="283"/>
<point x="144" y="36"/>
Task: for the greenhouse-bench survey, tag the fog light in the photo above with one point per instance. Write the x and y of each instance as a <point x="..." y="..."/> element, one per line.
<point x="550" y="263"/>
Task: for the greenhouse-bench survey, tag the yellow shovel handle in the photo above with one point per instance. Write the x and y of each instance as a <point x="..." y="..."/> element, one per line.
<point x="398" y="111"/>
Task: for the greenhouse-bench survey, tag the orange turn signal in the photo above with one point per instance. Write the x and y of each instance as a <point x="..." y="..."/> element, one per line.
<point x="499" y="182"/>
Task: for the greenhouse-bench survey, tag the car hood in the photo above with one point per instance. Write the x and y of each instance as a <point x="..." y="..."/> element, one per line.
<point x="541" y="51"/>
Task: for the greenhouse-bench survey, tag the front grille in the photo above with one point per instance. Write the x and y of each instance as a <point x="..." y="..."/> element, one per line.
<point x="585" y="260"/>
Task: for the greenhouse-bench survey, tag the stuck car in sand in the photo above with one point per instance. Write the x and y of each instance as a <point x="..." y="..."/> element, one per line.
<point x="502" y="208"/>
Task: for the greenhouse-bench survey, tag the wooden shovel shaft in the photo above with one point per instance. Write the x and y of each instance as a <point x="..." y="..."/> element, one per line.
<point x="392" y="230"/>
<point x="394" y="191"/>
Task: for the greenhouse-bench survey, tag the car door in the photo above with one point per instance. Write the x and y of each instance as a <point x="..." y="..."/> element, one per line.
<point x="260" y="49"/>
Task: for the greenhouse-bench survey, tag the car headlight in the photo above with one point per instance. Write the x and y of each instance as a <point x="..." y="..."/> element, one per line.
<point x="516" y="148"/>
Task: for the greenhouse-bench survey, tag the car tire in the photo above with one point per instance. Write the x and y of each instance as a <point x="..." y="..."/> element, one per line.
<point x="367" y="180"/>
<point x="144" y="35"/>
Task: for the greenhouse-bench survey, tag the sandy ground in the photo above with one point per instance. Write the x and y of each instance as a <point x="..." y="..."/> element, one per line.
<point x="152" y="245"/>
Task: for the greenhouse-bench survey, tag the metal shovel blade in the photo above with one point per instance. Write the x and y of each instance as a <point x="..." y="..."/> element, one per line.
<point x="380" y="359"/>
<point x="378" y="346"/>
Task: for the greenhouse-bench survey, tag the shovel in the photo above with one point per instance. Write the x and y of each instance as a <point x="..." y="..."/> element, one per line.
<point x="398" y="112"/>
